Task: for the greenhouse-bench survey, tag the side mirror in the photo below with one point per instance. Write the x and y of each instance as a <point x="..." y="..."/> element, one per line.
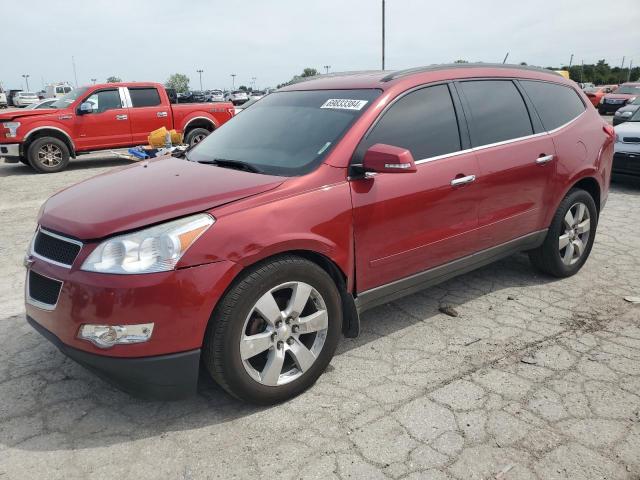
<point x="85" y="107"/>
<point x="383" y="158"/>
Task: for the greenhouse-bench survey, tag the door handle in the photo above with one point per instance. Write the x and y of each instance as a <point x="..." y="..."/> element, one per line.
<point x="121" y="117"/>
<point x="542" y="159"/>
<point x="463" y="180"/>
<point x="161" y="114"/>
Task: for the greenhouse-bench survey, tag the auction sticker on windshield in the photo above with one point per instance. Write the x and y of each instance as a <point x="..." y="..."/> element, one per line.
<point x="344" y="104"/>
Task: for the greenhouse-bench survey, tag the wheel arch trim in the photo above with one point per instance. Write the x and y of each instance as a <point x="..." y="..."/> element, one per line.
<point x="56" y="129"/>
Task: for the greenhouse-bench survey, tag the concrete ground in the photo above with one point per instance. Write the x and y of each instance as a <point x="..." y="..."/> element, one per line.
<point x="536" y="378"/>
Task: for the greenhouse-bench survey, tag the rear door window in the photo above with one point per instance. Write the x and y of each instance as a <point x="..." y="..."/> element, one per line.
<point x="498" y="111"/>
<point x="424" y="122"/>
<point x="144" y="97"/>
<point x="556" y="104"/>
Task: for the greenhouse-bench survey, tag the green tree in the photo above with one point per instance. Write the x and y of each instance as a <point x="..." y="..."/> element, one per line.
<point x="243" y="88"/>
<point x="460" y="60"/>
<point x="309" y="72"/>
<point x="179" y="82"/>
<point x="113" y="79"/>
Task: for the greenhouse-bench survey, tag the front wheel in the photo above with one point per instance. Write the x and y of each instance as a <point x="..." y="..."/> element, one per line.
<point x="48" y="155"/>
<point x="570" y="236"/>
<point x="275" y="331"/>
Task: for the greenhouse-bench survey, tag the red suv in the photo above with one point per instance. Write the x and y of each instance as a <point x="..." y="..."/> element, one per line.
<point x="257" y="250"/>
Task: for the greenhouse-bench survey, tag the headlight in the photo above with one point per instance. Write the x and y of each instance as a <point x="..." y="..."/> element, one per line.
<point x="155" y="249"/>
<point x="12" y="127"/>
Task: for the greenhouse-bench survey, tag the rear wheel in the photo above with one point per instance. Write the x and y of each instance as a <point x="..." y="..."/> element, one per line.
<point x="275" y="331"/>
<point x="570" y="236"/>
<point x="196" y="136"/>
<point x="48" y="155"/>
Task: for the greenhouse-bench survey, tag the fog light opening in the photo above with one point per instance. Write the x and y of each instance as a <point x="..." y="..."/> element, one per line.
<point x="106" y="336"/>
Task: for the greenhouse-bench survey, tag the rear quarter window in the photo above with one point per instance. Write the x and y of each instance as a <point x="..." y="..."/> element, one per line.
<point x="498" y="111"/>
<point x="144" y="97"/>
<point x="556" y="104"/>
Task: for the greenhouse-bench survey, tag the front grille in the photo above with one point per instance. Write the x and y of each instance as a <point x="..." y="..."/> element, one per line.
<point x="43" y="289"/>
<point x="631" y="139"/>
<point x="56" y="248"/>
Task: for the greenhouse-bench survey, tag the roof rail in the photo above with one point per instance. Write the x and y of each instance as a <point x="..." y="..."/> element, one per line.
<point x="446" y="66"/>
<point x="298" y="79"/>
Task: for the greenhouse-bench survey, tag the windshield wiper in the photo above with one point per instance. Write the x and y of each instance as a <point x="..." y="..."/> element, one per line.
<point x="235" y="164"/>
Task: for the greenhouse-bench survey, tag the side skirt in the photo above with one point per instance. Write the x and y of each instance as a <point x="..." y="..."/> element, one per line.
<point x="419" y="281"/>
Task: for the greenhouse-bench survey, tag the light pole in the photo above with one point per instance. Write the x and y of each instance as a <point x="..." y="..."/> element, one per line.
<point x="26" y="79"/>
<point x="629" y="72"/>
<point x="233" y="81"/>
<point x="622" y="67"/>
<point x="327" y="67"/>
<point x="383" y="34"/>
<point x="570" y="61"/>
<point x="200" y="73"/>
<point x="253" y="83"/>
<point x="94" y="80"/>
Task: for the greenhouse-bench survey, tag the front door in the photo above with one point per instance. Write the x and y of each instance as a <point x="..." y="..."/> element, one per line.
<point x="107" y="125"/>
<point x="410" y="222"/>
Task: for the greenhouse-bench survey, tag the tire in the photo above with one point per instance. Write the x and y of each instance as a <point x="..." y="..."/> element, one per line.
<point x="574" y="226"/>
<point x="196" y="136"/>
<point x="238" y="317"/>
<point x="48" y="155"/>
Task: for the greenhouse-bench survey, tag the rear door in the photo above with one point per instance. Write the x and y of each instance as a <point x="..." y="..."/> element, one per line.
<point x="147" y="112"/>
<point x="516" y="158"/>
<point x="107" y="125"/>
<point x="410" y="222"/>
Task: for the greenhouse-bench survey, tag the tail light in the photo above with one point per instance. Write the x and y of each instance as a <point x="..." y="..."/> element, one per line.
<point x="611" y="133"/>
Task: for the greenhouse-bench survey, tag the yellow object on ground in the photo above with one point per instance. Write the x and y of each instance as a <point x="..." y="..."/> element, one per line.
<point x="564" y="73"/>
<point x="158" y="138"/>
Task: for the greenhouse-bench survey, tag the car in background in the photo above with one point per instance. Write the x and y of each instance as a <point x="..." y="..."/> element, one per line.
<point x="625" y="113"/>
<point x="595" y="94"/>
<point x="586" y="85"/>
<point x="256" y="94"/>
<point x="57" y="90"/>
<point x="626" y="157"/>
<point x="100" y="117"/>
<point x="625" y="93"/>
<point x="237" y="97"/>
<point x="214" y="96"/>
<point x="23" y="99"/>
<point x="198" y="96"/>
<point x="245" y="105"/>
<point x="46" y="103"/>
<point x="3" y="99"/>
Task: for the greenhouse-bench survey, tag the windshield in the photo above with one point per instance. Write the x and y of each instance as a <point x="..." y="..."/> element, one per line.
<point x="635" y="117"/>
<point x="69" y="98"/>
<point x="286" y="133"/>
<point x="628" y="89"/>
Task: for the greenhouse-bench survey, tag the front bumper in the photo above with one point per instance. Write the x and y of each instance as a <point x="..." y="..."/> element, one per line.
<point x="626" y="163"/>
<point x="10" y="150"/>
<point x="162" y="377"/>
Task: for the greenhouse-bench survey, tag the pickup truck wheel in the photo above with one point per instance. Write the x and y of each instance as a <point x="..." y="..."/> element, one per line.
<point x="48" y="155"/>
<point x="570" y="236"/>
<point x="196" y="136"/>
<point x="275" y="331"/>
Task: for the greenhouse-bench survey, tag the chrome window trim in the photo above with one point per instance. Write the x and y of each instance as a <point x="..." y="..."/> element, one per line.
<point x="59" y="237"/>
<point x="36" y="303"/>
<point x="497" y="144"/>
<point x="125" y="99"/>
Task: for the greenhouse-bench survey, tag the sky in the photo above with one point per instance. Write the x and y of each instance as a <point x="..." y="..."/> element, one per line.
<point x="272" y="40"/>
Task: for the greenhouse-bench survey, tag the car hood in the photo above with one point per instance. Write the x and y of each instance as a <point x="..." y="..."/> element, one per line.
<point x="628" y="128"/>
<point x="146" y="193"/>
<point x="17" y="114"/>
<point x="619" y="96"/>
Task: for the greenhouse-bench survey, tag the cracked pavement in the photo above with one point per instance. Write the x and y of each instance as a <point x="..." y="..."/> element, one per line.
<point x="537" y="378"/>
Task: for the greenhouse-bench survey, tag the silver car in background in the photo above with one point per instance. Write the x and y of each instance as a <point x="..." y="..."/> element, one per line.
<point x="24" y="99"/>
<point x="626" y="157"/>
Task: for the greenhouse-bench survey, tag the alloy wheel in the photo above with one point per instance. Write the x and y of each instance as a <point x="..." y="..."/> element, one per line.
<point x="50" y="155"/>
<point x="284" y="333"/>
<point x="577" y="227"/>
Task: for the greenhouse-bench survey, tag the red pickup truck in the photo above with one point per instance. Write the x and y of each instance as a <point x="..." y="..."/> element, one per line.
<point x="102" y="116"/>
